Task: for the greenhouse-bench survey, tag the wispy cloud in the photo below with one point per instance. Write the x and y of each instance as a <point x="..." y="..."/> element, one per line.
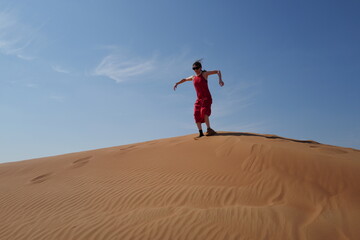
<point x="121" y="66"/>
<point x="59" y="69"/>
<point x="16" y="36"/>
<point x="236" y="98"/>
<point x="57" y="98"/>
<point x="31" y="85"/>
<point x="121" y="69"/>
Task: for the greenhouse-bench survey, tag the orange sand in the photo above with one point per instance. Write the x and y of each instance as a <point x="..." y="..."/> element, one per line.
<point x="229" y="186"/>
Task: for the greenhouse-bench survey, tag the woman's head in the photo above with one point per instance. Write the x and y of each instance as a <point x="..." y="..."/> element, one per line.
<point x="197" y="67"/>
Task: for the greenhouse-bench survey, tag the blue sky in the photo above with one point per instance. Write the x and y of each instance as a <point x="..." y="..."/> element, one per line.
<point x="80" y="75"/>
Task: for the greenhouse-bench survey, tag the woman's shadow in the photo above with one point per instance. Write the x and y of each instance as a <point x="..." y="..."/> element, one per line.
<point x="264" y="136"/>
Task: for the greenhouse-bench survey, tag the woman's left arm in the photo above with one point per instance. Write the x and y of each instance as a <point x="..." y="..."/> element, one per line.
<point x="218" y="72"/>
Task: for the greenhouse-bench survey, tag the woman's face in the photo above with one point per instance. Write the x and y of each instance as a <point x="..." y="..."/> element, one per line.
<point x="197" y="69"/>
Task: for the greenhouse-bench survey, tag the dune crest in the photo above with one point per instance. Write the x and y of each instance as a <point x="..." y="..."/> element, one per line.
<point x="228" y="186"/>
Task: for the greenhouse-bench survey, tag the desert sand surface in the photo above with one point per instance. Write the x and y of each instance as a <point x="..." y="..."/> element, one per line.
<point x="228" y="186"/>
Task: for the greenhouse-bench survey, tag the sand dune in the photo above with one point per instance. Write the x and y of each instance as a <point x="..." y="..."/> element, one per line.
<point x="229" y="186"/>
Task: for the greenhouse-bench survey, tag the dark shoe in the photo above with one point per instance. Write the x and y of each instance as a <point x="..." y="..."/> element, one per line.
<point x="210" y="132"/>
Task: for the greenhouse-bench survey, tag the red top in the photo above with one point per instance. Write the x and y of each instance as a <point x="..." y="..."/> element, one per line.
<point x="201" y="87"/>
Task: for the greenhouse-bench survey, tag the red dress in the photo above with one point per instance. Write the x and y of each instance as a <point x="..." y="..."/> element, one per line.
<point x="203" y="103"/>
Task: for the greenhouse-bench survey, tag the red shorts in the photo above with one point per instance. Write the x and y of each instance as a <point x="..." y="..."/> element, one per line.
<point x="202" y="107"/>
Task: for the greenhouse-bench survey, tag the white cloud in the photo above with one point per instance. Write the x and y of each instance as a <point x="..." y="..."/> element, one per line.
<point x="15" y="36"/>
<point x="59" y="69"/>
<point x="31" y="85"/>
<point x="24" y="57"/>
<point x="57" y="98"/>
<point x="121" y="65"/>
<point x="234" y="99"/>
<point x="118" y="68"/>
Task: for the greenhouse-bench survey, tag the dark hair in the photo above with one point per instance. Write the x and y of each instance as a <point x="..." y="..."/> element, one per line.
<point x="197" y="63"/>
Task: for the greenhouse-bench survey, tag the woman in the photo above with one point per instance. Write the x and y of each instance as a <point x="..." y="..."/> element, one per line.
<point x="202" y="109"/>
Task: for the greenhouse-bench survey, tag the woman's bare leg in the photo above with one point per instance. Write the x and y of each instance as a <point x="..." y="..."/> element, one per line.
<point x="209" y="131"/>
<point x="207" y="121"/>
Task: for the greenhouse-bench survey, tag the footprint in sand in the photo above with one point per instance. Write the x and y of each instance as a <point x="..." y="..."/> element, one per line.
<point x="41" y="178"/>
<point x="80" y="162"/>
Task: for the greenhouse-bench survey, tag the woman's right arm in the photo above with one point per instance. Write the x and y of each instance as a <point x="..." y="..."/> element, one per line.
<point x="182" y="81"/>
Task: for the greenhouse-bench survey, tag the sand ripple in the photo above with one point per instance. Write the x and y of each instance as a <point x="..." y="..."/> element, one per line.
<point x="230" y="186"/>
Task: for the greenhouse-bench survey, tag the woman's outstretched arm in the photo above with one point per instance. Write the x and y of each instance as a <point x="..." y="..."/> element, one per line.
<point x="218" y="72"/>
<point x="182" y="81"/>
